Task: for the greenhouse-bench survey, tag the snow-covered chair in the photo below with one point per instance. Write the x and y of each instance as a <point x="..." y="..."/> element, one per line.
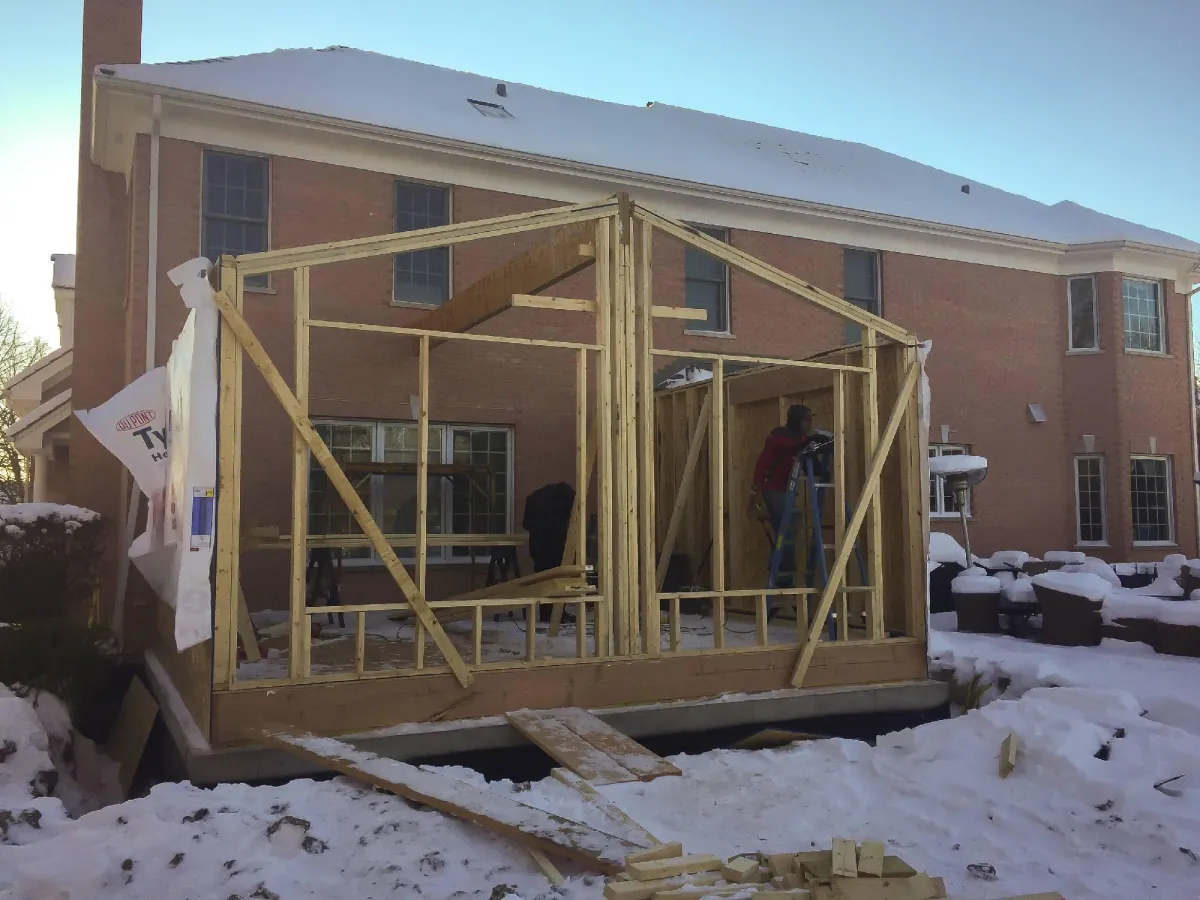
<point x="1071" y="605"/>
<point x="977" y="602"/>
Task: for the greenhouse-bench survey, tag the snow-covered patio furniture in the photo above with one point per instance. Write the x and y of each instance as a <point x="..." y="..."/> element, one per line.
<point x="1071" y="604"/>
<point x="1131" y="618"/>
<point x="1178" y="629"/>
<point x="977" y="603"/>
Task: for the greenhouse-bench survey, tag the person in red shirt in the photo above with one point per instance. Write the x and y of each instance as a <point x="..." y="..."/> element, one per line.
<point x="771" y="474"/>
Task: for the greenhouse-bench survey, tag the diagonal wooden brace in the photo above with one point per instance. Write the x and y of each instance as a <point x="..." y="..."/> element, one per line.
<point x="262" y="361"/>
<point x="870" y="491"/>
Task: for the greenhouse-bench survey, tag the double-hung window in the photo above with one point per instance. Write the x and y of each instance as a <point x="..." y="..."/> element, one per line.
<point x="421" y="277"/>
<point x="234" y="208"/>
<point x="1150" y="500"/>
<point x="1142" y="301"/>
<point x="470" y="485"/>
<point x="1081" y="309"/>
<point x="706" y="284"/>
<point x="1090" y="521"/>
<point x="941" y="498"/>
<point x="860" y="285"/>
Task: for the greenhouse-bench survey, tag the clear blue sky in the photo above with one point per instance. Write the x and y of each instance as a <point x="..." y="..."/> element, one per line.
<point x="1096" y="101"/>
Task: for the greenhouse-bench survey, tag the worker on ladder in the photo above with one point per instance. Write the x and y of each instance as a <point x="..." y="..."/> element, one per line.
<point x="783" y="447"/>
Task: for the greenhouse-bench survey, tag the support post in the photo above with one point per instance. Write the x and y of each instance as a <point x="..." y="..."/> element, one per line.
<point x="870" y="360"/>
<point x="870" y="490"/>
<point x="301" y="630"/>
<point x="839" y="491"/>
<point x="648" y="588"/>
<point x="229" y="462"/>
<point x="337" y="478"/>
<point x="606" y="607"/>
<point x="423" y="464"/>
<point x="716" y="468"/>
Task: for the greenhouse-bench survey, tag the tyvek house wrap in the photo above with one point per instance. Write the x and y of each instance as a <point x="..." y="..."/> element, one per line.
<point x="174" y="554"/>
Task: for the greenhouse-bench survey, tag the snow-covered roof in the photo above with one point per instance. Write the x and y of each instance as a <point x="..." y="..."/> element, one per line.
<point x="656" y="139"/>
<point x="64" y="270"/>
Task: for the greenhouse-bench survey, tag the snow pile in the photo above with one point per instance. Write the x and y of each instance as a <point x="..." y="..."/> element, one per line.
<point x="1005" y="559"/>
<point x="1128" y="568"/>
<point x="957" y="465"/>
<point x="27" y="775"/>
<point x="1066" y="557"/>
<point x="1180" y="612"/>
<point x="1090" y="587"/>
<point x="1093" y="566"/>
<point x="976" y="584"/>
<point x="1127" y="605"/>
<point x="28" y="513"/>
<point x="1162" y="586"/>
<point x="945" y="549"/>
<point x="1020" y="590"/>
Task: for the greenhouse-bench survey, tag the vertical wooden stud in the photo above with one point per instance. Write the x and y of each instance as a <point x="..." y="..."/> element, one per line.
<point x="301" y="629"/>
<point x="716" y="463"/>
<point x="419" y="645"/>
<point x="651" y="617"/>
<point x="422" y="463"/>
<point x="674" y="615"/>
<point x="360" y="643"/>
<point x="874" y="522"/>
<point x="718" y="613"/>
<point x="478" y="635"/>
<point x="606" y="604"/>
<point x="583" y="472"/>
<point x="839" y="488"/>
<point x="581" y="630"/>
<point x="914" y="496"/>
<point x="229" y="487"/>
<point x="531" y="632"/>
<point x="760" y="620"/>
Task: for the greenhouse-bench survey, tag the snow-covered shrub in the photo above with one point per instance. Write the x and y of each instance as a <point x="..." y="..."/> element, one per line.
<point x="50" y="559"/>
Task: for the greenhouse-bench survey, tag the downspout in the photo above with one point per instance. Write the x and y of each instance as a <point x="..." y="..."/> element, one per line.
<point x="135" y="495"/>
<point x="1194" y="278"/>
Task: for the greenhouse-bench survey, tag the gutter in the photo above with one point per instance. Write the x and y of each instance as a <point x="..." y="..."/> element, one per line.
<point x="572" y="168"/>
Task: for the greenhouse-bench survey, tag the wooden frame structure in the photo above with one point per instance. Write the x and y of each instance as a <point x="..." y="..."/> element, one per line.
<point x="633" y="655"/>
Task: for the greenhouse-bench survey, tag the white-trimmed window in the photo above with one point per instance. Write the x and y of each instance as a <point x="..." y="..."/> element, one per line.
<point x="421" y="277"/>
<point x="1142" y="301"/>
<point x="1083" y="333"/>
<point x="941" y="498"/>
<point x="234" y="207"/>
<point x="860" y="286"/>
<point x="706" y="284"/>
<point x="1150" y="500"/>
<point x="473" y="495"/>
<point x="1090" y="522"/>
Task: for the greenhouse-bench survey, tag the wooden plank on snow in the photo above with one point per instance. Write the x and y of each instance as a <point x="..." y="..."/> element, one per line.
<point x="845" y="858"/>
<point x="870" y="858"/>
<point x="558" y="257"/>
<point x="654" y="869"/>
<point x="567" y="748"/>
<point x="610" y="809"/>
<point x="1008" y="755"/>
<point x="530" y="827"/>
<point x="627" y="752"/>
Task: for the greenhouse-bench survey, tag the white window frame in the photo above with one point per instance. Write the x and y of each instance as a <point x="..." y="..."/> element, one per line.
<point x="434" y="555"/>
<point x="878" y="311"/>
<point x="1079" y="541"/>
<point x="936" y="511"/>
<point x="725" y="238"/>
<point x="1170" y="541"/>
<point x="1160" y="303"/>
<point x="1095" y="348"/>
<point x="449" y="189"/>
<point x="267" y="287"/>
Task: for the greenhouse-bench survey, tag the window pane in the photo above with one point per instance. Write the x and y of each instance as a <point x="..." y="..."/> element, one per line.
<point x="706" y="285"/>
<point x="480" y="501"/>
<point x="941" y="497"/>
<point x="1149" y="486"/>
<point x="1090" y="505"/>
<point x="1083" y="314"/>
<point x="422" y="276"/>
<point x="1143" y="316"/>
<point x="859" y="279"/>
<point x="327" y="513"/>
<point x="235" y="208"/>
<point x="710" y="297"/>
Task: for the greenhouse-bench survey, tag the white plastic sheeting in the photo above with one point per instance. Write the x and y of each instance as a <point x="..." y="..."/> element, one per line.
<point x="174" y="405"/>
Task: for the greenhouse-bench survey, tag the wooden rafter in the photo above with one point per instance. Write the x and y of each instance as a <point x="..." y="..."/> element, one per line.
<point x="563" y="253"/>
<point x="777" y="277"/>
<point x="869" y="492"/>
<point x="337" y="478"/>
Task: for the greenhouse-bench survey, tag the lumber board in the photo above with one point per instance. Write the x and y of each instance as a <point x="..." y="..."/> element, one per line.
<point x="567" y="304"/>
<point x="741" y="868"/>
<point x="687" y="313"/>
<point x="548" y="868"/>
<point x="895" y="867"/>
<point x="780" y="863"/>
<point x="683" y="492"/>
<point x="610" y="809"/>
<point x="246" y="632"/>
<point x="661" y="851"/>
<point x="627" y="752"/>
<point x="870" y="858"/>
<point x="300" y="633"/>
<point x="653" y="869"/>
<point x="870" y="489"/>
<point x="647" y="890"/>
<point x="567" y="748"/>
<point x="517" y="587"/>
<point x="127" y="742"/>
<point x="229" y="488"/>
<point x="530" y="827"/>
<point x="815" y="864"/>
<point x="544" y="265"/>
<point x="337" y="478"/>
<point x="844" y="858"/>
<point x="1008" y="755"/>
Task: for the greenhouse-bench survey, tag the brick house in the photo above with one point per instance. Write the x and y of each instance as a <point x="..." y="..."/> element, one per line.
<point x="1060" y="335"/>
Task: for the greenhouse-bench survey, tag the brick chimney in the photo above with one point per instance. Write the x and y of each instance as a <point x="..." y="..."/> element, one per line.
<point x="112" y="33"/>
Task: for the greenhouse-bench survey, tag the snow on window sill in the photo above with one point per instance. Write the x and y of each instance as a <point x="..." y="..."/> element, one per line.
<point x="1159" y="354"/>
<point x="726" y="335"/>
<point x="1084" y="351"/>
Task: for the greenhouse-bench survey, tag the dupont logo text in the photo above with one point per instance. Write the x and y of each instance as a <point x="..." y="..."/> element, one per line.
<point x="137" y="419"/>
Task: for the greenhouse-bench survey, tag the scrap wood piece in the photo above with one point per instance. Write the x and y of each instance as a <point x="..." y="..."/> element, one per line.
<point x="654" y="869"/>
<point x="1008" y="755"/>
<point x="779" y="863"/>
<point x="568" y="748"/>
<point x="769" y="738"/>
<point x="628" y="753"/>
<point x="698" y="892"/>
<point x="872" y="889"/>
<point x="895" y="867"/>
<point x="741" y="868"/>
<point x="548" y="868"/>
<point x="817" y="865"/>
<point x="662" y="851"/>
<point x="526" y="825"/>
<point x="127" y="741"/>
<point x="647" y="890"/>
<point x="1047" y="895"/>
<point x="870" y="858"/>
<point x="610" y="809"/>
<point x="845" y="858"/>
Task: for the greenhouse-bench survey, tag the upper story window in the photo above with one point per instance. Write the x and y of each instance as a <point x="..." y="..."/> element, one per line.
<point x="1081" y="307"/>
<point x="860" y="285"/>
<point x="421" y="276"/>
<point x="941" y="499"/>
<point x="706" y="284"/>
<point x="234" y="208"/>
<point x="1143" y="315"/>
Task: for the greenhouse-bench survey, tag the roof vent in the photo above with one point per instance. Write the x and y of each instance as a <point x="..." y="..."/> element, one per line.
<point x="966" y="189"/>
<point x="491" y="110"/>
<point x="502" y="90"/>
